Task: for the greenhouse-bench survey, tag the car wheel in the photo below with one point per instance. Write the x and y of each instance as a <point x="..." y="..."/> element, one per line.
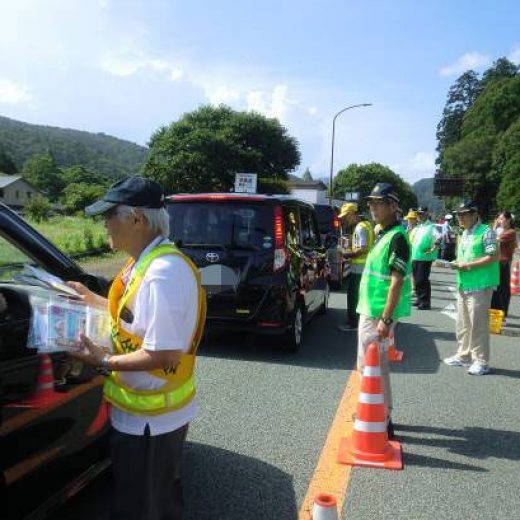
<point x="325" y="305"/>
<point x="291" y="341"/>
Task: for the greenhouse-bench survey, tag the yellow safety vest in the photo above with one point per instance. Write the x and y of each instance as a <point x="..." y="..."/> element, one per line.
<point x="361" y="259"/>
<point x="179" y="383"/>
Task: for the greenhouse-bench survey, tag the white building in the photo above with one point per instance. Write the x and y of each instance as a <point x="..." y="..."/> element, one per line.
<point x="15" y="191"/>
<point x="310" y="191"/>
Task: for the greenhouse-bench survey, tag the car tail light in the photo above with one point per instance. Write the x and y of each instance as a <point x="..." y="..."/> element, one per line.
<point x="336" y="223"/>
<point x="280" y="253"/>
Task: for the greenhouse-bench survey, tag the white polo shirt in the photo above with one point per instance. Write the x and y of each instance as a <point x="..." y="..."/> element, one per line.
<point x="165" y="316"/>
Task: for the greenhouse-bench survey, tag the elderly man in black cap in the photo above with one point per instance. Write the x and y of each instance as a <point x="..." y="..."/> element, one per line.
<point x="157" y="310"/>
<point x="385" y="288"/>
<point x="477" y="277"/>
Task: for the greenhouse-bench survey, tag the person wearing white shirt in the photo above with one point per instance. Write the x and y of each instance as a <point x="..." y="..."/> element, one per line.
<point x="157" y="319"/>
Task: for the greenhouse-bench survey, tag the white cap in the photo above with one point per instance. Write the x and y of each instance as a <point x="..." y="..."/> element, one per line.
<point x="449" y="216"/>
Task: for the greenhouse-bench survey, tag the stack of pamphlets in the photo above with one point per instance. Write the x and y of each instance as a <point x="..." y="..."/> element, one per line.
<point x="35" y="276"/>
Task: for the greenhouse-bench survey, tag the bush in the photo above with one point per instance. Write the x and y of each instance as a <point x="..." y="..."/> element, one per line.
<point x="38" y="209"/>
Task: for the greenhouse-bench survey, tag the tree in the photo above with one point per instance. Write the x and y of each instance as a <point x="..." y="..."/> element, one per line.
<point x="43" y="173"/>
<point x="461" y="96"/>
<point x="507" y="164"/>
<point x="77" y="196"/>
<point x="204" y="149"/>
<point x="501" y="69"/>
<point x="79" y="174"/>
<point x="307" y="176"/>
<point x="38" y="208"/>
<point x="7" y="165"/>
<point x="363" y="177"/>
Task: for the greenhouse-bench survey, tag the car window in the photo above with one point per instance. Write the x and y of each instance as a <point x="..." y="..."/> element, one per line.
<point x="229" y="224"/>
<point x="292" y="226"/>
<point x="310" y="233"/>
<point x="325" y="216"/>
<point x="12" y="260"/>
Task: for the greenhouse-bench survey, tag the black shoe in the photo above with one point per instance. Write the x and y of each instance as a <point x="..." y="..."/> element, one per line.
<point x="390" y="430"/>
<point x="424" y="307"/>
<point x="415" y="303"/>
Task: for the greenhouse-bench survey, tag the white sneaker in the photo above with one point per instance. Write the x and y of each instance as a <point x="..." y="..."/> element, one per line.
<point x="478" y="369"/>
<point x="455" y="361"/>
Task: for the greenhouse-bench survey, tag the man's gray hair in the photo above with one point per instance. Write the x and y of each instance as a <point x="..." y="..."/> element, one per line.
<point x="158" y="219"/>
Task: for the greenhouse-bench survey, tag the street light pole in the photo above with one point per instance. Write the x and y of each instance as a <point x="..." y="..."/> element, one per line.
<point x="332" y="148"/>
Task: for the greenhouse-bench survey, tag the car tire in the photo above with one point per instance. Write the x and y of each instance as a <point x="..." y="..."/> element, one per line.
<point x="325" y="305"/>
<point x="291" y="340"/>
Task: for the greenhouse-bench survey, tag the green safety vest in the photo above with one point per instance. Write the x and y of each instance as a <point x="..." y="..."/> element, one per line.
<point x="361" y="259"/>
<point x="470" y="248"/>
<point x="375" y="281"/>
<point x="422" y="241"/>
<point x="179" y="383"/>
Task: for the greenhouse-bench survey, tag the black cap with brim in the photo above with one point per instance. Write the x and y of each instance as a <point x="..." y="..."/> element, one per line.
<point x="466" y="207"/>
<point x="384" y="191"/>
<point x="136" y="192"/>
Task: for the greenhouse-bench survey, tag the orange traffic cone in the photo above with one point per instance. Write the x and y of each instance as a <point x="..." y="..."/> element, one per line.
<point x="515" y="278"/>
<point x="394" y="355"/>
<point x="44" y="395"/>
<point x="324" y="508"/>
<point x="369" y="444"/>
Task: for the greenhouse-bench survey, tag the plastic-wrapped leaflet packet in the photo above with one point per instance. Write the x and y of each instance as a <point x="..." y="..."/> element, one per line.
<point x="57" y="324"/>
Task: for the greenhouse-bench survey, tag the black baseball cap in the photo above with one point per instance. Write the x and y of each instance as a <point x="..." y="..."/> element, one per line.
<point x="137" y="192"/>
<point x="384" y="191"/>
<point x="467" y="206"/>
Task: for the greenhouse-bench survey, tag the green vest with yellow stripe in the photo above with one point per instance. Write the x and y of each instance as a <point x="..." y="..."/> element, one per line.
<point x="179" y="383"/>
<point x="375" y="282"/>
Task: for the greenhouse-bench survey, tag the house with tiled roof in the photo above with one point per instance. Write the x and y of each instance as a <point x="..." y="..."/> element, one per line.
<point x="15" y="191"/>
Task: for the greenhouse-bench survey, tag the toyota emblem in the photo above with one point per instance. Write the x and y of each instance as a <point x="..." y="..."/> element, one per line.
<point x="212" y="257"/>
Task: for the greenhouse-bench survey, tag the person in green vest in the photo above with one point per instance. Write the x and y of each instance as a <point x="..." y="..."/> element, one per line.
<point x="478" y="275"/>
<point x="425" y="243"/>
<point x="362" y="241"/>
<point x="385" y="288"/>
<point x="157" y="310"/>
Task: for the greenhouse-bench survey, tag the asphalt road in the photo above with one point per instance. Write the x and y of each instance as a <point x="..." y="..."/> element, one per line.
<point x="264" y="416"/>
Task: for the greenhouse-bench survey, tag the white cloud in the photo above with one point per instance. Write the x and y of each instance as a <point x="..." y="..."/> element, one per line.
<point x="470" y="60"/>
<point x="515" y="55"/>
<point x="13" y="93"/>
<point x="312" y="111"/>
<point x="223" y="94"/>
<point x="274" y="103"/>
<point x="423" y="162"/>
<point x="123" y="67"/>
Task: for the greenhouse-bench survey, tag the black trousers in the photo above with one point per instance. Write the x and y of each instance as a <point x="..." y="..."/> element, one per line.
<point x="147" y="475"/>
<point x="353" y="281"/>
<point x="502" y="295"/>
<point x="421" y="276"/>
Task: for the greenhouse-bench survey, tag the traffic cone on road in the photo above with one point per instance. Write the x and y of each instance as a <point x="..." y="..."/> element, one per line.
<point x="44" y="394"/>
<point x="515" y="278"/>
<point x="324" y="508"/>
<point x="369" y="444"/>
<point x="394" y="355"/>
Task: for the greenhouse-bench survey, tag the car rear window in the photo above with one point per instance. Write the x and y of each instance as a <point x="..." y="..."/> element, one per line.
<point x="325" y="218"/>
<point x="235" y="225"/>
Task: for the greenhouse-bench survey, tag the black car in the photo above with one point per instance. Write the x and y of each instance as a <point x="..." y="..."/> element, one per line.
<point x="331" y="235"/>
<point x="261" y="260"/>
<point x="53" y="422"/>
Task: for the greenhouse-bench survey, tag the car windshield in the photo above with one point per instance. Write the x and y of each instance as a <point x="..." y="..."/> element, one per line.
<point x="232" y="225"/>
<point x="12" y="260"/>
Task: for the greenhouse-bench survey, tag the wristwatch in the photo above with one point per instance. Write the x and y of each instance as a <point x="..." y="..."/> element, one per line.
<point x="387" y="321"/>
<point x="103" y="366"/>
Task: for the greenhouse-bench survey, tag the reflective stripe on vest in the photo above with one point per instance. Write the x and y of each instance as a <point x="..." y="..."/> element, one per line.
<point x="422" y="241"/>
<point x="361" y="259"/>
<point x="376" y="279"/>
<point x="179" y="385"/>
<point x="471" y="248"/>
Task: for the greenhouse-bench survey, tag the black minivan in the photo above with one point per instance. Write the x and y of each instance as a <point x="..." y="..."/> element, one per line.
<point x="261" y="260"/>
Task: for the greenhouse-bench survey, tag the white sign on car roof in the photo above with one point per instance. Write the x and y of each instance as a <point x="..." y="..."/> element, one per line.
<point x="245" y="182"/>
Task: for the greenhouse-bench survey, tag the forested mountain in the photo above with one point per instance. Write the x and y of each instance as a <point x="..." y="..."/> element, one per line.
<point x="99" y="152"/>
<point x="425" y="197"/>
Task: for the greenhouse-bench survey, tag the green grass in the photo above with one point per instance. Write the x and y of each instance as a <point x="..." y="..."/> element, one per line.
<point x="73" y="235"/>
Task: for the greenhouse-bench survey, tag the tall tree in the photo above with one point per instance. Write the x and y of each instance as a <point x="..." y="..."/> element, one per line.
<point x="501" y="69"/>
<point x="7" y="165"/>
<point x="204" y="149"/>
<point x="461" y="96"/>
<point x="362" y="178"/>
<point x="43" y="173"/>
<point x="307" y="176"/>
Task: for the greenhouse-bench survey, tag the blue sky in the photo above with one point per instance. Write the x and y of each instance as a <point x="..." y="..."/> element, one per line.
<point x="127" y="67"/>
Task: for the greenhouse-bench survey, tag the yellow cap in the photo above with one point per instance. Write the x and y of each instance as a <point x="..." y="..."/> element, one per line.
<point x="349" y="207"/>
<point x="411" y="215"/>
